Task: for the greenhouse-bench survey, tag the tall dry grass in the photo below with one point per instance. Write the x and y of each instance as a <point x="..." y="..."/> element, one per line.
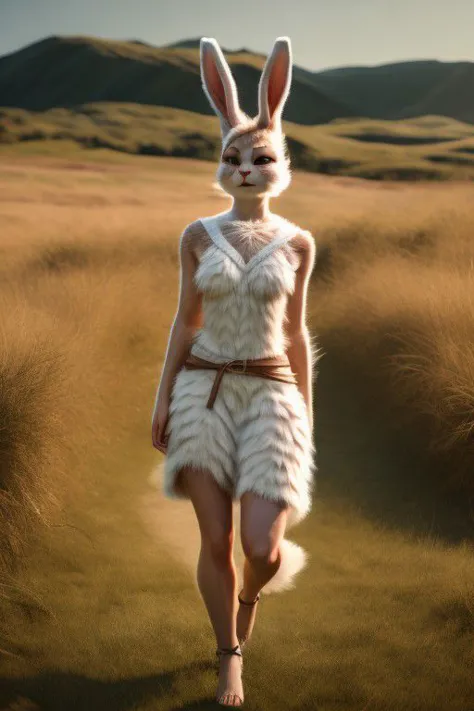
<point x="83" y="313"/>
<point x="395" y="301"/>
<point x="32" y="371"/>
<point x="88" y="287"/>
<point x="76" y="345"/>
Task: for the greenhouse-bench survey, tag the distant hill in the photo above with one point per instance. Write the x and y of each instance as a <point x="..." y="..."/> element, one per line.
<point x="399" y="121"/>
<point x="196" y="42"/>
<point x="404" y="89"/>
<point x="72" y="71"/>
<point x="454" y="96"/>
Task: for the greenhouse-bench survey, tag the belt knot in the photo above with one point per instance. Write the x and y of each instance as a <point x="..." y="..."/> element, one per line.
<point x="270" y="367"/>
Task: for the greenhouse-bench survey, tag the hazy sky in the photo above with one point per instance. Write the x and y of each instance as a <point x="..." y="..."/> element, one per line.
<point x="323" y="34"/>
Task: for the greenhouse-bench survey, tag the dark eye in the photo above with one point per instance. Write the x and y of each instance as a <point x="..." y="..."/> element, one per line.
<point x="233" y="160"/>
<point x="263" y="160"/>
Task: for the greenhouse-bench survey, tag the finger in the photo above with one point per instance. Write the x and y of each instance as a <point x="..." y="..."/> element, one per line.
<point x="160" y="447"/>
<point x="161" y="444"/>
<point x="157" y="438"/>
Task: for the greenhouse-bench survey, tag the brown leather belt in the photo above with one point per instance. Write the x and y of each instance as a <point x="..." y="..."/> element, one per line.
<point x="274" y="367"/>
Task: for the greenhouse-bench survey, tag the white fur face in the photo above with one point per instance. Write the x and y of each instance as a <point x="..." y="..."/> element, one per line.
<point x="255" y="163"/>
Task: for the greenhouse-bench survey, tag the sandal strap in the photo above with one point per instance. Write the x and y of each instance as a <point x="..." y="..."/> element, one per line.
<point x="243" y="602"/>
<point x="232" y="650"/>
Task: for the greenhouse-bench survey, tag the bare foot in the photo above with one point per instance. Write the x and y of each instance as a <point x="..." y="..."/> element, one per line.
<point x="230" y="690"/>
<point x="246" y="618"/>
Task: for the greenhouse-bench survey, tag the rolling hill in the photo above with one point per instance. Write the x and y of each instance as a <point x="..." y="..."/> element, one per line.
<point x="71" y="71"/>
<point x="405" y="120"/>
<point x="391" y="91"/>
<point x="432" y="148"/>
<point x="404" y="89"/>
<point x="454" y="96"/>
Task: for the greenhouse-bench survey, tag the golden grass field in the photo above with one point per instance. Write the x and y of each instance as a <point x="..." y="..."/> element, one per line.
<point x="100" y="610"/>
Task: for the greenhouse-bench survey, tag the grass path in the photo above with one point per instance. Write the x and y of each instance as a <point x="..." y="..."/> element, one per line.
<point x="176" y="526"/>
<point x="107" y="616"/>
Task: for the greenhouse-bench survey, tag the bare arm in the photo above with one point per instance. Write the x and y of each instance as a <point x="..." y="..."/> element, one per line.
<point x="187" y="319"/>
<point x="299" y="348"/>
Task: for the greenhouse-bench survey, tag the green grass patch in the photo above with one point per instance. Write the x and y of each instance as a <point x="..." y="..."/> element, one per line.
<point x="393" y="150"/>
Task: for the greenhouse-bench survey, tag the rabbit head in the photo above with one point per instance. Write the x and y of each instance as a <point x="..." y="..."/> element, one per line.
<point x="254" y="157"/>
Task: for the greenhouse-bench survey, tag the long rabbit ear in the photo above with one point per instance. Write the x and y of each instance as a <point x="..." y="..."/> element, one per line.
<point x="219" y="85"/>
<point x="275" y="82"/>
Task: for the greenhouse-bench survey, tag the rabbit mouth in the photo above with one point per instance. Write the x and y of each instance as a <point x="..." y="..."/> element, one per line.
<point x="247" y="185"/>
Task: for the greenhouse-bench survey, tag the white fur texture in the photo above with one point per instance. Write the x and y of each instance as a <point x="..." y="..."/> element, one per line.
<point x="293" y="560"/>
<point x="244" y="304"/>
<point x="257" y="436"/>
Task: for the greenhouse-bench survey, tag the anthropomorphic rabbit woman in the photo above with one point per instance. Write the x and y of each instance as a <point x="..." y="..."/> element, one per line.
<point x="233" y="411"/>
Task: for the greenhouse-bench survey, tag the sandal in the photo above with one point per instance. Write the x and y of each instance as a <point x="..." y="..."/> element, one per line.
<point x="238" y="652"/>
<point x="249" y="604"/>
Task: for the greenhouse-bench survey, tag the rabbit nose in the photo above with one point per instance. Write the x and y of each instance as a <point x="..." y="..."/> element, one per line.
<point x="244" y="173"/>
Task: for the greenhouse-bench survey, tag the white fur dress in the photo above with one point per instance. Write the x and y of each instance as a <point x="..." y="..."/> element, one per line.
<point x="257" y="435"/>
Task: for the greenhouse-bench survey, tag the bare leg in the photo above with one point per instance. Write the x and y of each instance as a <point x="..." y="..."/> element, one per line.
<point x="216" y="573"/>
<point x="262" y="528"/>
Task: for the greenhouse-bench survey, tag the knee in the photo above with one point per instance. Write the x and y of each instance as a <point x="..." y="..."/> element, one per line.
<point x="260" y="551"/>
<point x="218" y="542"/>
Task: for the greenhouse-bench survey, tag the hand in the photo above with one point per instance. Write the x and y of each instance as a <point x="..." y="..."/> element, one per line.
<point x="158" y="428"/>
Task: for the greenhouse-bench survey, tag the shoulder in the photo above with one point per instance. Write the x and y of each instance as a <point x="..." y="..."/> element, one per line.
<point x="193" y="237"/>
<point x="193" y="230"/>
<point x="302" y="242"/>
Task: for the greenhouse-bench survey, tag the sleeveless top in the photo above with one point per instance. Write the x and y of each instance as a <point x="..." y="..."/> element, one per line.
<point x="243" y="303"/>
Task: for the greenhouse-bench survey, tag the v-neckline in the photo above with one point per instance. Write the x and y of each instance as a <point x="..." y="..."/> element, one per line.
<point x="213" y="228"/>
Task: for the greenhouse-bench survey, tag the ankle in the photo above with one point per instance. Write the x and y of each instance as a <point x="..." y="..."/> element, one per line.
<point x="230" y="652"/>
<point x="232" y="645"/>
<point x="248" y="596"/>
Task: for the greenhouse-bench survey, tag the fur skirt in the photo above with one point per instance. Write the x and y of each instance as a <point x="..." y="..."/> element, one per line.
<point x="255" y="438"/>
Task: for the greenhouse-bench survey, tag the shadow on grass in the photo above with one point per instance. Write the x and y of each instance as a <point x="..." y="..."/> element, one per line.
<point x="382" y="471"/>
<point x="56" y="691"/>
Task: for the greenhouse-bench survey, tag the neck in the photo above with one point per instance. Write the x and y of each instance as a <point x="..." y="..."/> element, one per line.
<point x="250" y="209"/>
